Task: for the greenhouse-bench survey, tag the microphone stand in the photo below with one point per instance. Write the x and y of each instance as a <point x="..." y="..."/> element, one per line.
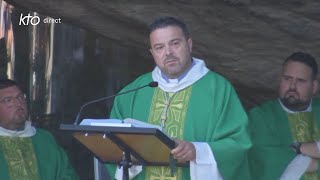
<point x="125" y="162"/>
<point x="151" y="84"/>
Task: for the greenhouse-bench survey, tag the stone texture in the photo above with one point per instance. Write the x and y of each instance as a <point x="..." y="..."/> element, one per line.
<point x="245" y="41"/>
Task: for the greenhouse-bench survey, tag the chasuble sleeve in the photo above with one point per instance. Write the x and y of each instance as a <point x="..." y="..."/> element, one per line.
<point x="316" y="106"/>
<point x="53" y="162"/>
<point x="64" y="169"/>
<point x="268" y="157"/>
<point x="230" y="141"/>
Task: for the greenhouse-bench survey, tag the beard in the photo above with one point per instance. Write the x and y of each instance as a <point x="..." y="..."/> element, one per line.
<point x="295" y="104"/>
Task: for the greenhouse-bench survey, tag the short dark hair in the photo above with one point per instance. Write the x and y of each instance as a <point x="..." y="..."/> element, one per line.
<point x="165" y="21"/>
<point x="306" y="59"/>
<point x="5" y="83"/>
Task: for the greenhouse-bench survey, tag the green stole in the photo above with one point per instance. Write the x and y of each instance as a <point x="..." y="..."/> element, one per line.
<point x="304" y="129"/>
<point x="20" y="157"/>
<point x="175" y="107"/>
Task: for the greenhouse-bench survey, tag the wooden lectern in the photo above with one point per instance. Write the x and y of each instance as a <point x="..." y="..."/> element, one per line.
<point x="126" y="145"/>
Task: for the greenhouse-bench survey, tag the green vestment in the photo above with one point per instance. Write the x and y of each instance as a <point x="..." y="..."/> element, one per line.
<point x="52" y="162"/>
<point x="271" y="136"/>
<point x="212" y="114"/>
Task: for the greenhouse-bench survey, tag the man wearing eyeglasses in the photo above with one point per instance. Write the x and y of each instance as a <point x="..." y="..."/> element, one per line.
<point x="27" y="152"/>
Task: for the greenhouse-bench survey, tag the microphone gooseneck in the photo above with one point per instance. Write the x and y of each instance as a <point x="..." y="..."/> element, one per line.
<point x="151" y="84"/>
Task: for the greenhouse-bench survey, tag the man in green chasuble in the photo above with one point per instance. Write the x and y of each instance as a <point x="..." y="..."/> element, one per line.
<point x="285" y="131"/>
<point x="27" y="153"/>
<point x="197" y="107"/>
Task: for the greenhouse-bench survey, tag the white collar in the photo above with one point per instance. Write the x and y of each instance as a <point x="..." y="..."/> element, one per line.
<point x="309" y="109"/>
<point x="174" y="85"/>
<point x="28" y="131"/>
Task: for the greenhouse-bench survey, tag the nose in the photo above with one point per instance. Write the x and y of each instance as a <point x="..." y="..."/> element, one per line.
<point x="17" y="102"/>
<point x="293" y="84"/>
<point x="168" y="50"/>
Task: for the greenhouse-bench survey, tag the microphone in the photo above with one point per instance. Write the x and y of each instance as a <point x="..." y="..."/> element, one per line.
<point x="151" y="84"/>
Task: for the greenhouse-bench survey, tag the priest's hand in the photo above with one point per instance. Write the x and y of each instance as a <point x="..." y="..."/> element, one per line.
<point x="313" y="166"/>
<point x="184" y="151"/>
<point x="310" y="149"/>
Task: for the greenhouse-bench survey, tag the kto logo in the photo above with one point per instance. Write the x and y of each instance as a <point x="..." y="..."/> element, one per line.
<point x="35" y="20"/>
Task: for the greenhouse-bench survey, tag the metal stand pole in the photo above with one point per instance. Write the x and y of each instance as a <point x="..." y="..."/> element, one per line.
<point x="126" y="164"/>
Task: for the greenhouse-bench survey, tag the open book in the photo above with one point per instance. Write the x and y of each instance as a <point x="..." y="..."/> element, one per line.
<point x="118" y="123"/>
<point x="129" y="122"/>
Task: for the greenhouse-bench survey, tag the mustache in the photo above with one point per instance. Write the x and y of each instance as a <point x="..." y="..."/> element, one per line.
<point x="292" y="91"/>
<point x="170" y="57"/>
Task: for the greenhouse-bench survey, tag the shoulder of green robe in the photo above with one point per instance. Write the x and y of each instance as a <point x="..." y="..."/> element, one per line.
<point x="214" y="76"/>
<point x="266" y="104"/>
<point x="265" y="107"/>
<point x="42" y="133"/>
<point x="140" y="81"/>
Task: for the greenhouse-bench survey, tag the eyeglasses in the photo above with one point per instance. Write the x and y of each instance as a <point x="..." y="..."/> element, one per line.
<point x="9" y="101"/>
